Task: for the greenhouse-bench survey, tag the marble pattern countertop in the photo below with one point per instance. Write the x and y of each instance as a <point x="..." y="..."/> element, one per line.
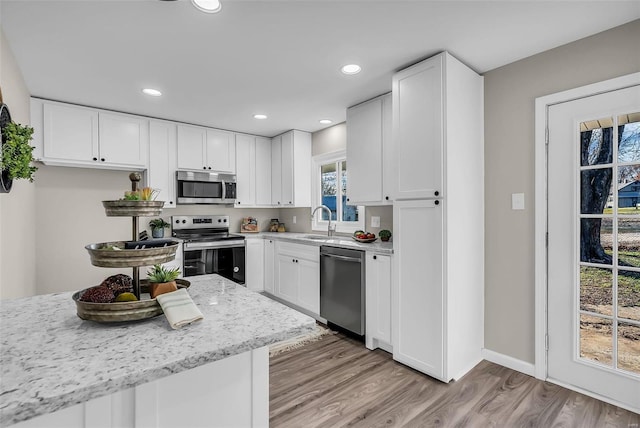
<point x="317" y="239"/>
<point x="51" y="359"/>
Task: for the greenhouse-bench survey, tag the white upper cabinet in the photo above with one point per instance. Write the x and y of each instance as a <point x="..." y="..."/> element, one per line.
<point x="161" y="174"/>
<point x="192" y="145"/>
<point x="123" y="139"/>
<point x="276" y="171"/>
<point x="263" y="171"/>
<point x="369" y="152"/>
<point x="221" y="151"/>
<point x="253" y="171"/>
<point x="71" y="135"/>
<point x="245" y="171"/>
<point x="291" y="169"/>
<point x="206" y="149"/>
<point x="417" y="129"/>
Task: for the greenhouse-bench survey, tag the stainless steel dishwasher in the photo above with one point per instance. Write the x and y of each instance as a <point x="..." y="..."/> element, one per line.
<point x="342" y="288"/>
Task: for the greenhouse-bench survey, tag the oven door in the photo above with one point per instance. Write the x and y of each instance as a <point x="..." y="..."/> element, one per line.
<point x="226" y="259"/>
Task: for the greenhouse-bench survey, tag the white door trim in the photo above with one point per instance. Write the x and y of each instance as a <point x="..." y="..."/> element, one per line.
<point x="540" y="237"/>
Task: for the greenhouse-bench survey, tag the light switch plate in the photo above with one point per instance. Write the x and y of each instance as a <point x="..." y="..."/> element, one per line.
<point x="517" y="201"/>
<point x="375" y="221"/>
<point x="294" y="219"/>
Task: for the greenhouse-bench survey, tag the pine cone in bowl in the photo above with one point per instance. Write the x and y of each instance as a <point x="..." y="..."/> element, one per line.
<point x="97" y="294"/>
<point x="119" y="283"/>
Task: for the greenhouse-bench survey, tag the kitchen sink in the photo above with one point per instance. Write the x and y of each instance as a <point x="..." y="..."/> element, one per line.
<point x="317" y="237"/>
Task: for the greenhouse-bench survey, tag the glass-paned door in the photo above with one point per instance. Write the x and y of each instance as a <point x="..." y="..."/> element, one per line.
<point x="609" y="277"/>
<point x="593" y="254"/>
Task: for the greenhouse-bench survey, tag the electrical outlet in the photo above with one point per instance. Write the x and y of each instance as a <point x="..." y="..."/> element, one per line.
<point x="294" y="219"/>
<point x="375" y="221"/>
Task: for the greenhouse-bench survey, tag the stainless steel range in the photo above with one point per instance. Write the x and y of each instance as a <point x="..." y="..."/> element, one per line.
<point x="208" y="247"/>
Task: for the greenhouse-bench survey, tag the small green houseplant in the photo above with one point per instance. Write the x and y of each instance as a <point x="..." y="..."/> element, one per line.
<point x="16" y="155"/>
<point x="384" y="234"/>
<point x="158" y="226"/>
<point x="162" y="280"/>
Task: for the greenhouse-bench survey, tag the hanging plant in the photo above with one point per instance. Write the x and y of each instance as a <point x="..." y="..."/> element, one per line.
<point x="17" y="154"/>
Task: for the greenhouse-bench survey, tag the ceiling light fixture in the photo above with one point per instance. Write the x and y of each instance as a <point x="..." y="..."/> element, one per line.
<point x="259" y="116"/>
<point x="152" y="92"/>
<point x="326" y="121"/>
<point x="351" y="69"/>
<point x="208" y="6"/>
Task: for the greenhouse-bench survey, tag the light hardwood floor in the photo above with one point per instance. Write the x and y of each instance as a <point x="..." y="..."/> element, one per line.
<point x="337" y="382"/>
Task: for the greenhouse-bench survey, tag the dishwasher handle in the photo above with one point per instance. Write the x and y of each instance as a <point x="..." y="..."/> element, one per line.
<point x="344" y="258"/>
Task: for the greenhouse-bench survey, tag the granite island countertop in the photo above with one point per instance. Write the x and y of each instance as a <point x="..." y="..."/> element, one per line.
<point x="51" y="359"/>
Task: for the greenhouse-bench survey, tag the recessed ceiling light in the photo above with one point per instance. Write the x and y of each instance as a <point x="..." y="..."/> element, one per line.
<point x="259" y="116"/>
<point x="208" y="6"/>
<point x="152" y="92"/>
<point x="326" y="121"/>
<point x="351" y="69"/>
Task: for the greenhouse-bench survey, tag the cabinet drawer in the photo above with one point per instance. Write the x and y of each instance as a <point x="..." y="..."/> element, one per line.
<point x="299" y="251"/>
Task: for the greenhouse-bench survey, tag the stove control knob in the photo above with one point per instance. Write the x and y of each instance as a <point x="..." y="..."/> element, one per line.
<point x="177" y="221"/>
<point x="219" y="220"/>
<point x="184" y="221"/>
<point x="225" y="220"/>
<point x="236" y="269"/>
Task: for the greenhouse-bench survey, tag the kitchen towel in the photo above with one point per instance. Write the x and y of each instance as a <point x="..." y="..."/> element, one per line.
<point x="179" y="308"/>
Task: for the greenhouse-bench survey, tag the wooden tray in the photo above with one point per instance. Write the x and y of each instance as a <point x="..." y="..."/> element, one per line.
<point x="122" y="311"/>
<point x="102" y="256"/>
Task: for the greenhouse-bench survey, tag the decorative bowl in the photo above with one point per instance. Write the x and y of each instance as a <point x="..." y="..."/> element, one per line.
<point x="122" y="311"/>
<point x="103" y="254"/>
<point x="125" y="208"/>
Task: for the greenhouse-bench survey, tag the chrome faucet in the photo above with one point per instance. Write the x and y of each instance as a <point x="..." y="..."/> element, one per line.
<point x="330" y="229"/>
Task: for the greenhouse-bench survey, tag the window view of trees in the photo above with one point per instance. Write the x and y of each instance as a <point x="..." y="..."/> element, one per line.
<point x="333" y="181"/>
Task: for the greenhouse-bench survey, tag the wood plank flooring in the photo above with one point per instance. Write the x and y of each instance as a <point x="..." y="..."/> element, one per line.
<point x="337" y="382"/>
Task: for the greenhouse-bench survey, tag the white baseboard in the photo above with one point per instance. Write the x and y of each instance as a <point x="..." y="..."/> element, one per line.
<point x="509" y="362"/>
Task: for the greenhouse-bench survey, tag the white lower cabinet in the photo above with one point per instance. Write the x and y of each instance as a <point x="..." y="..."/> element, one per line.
<point x="297" y="275"/>
<point x="254" y="277"/>
<point x="378" y="301"/>
<point x="233" y="392"/>
<point x="269" y="265"/>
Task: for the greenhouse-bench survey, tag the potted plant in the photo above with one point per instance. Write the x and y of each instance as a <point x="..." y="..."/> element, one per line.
<point x="162" y="280"/>
<point x="16" y="155"/>
<point x="157" y="227"/>
<point x="384" y="234"/>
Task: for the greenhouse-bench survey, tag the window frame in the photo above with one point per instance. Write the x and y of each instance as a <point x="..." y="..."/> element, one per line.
<point x="317" y="224"/>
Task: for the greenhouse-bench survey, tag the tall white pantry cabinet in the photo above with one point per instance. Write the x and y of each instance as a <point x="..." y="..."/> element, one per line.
<point x="438" y="216"/>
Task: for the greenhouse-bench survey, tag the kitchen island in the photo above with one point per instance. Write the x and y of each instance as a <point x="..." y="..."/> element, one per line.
<point x="58" y="370"/>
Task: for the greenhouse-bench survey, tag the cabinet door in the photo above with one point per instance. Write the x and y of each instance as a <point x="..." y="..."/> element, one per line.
<point x="124" y="139"/>
<point x="192" y="143"/>
<point x="245" y="171"/>
<point x="378" y="296"/>
<point x="263" y="171"/>
<point x="418" y="134"/>
<point x="269" y="265"/>
<point x="287" y="278"/>
<point x="309" y="285"/>
<point x="276" y="170"/>
<point x="418" y="297"/>
<point x="162" y="161"/>
<point x="388" y="152"/>
<point x="287" y="167"/>
<point x="221" y="151"/>
<point x="255" y="264"/>
<point x="364" y="152"/>
<point x="70" y="133"/>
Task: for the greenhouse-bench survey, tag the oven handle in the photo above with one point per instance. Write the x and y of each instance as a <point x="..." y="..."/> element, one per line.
<point x="212" y="245"/>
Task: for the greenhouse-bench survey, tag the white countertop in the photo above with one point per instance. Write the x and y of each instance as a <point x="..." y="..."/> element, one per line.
<point x="332" y="241"/>
<point x="51" y="359"/>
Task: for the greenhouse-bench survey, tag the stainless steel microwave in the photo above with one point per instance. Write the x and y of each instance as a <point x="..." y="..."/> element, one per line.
<point x="205" y="188"/>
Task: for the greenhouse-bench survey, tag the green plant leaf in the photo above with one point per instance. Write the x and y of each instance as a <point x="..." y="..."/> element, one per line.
<point x="17" y="154"/>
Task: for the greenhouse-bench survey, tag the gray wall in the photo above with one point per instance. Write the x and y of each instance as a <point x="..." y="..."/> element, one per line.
<point x="510" y="92"/>
<point x="18" y="208"/>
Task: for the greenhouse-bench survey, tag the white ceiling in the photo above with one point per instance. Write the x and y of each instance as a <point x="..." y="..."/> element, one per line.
<point x="281" y="58"/>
